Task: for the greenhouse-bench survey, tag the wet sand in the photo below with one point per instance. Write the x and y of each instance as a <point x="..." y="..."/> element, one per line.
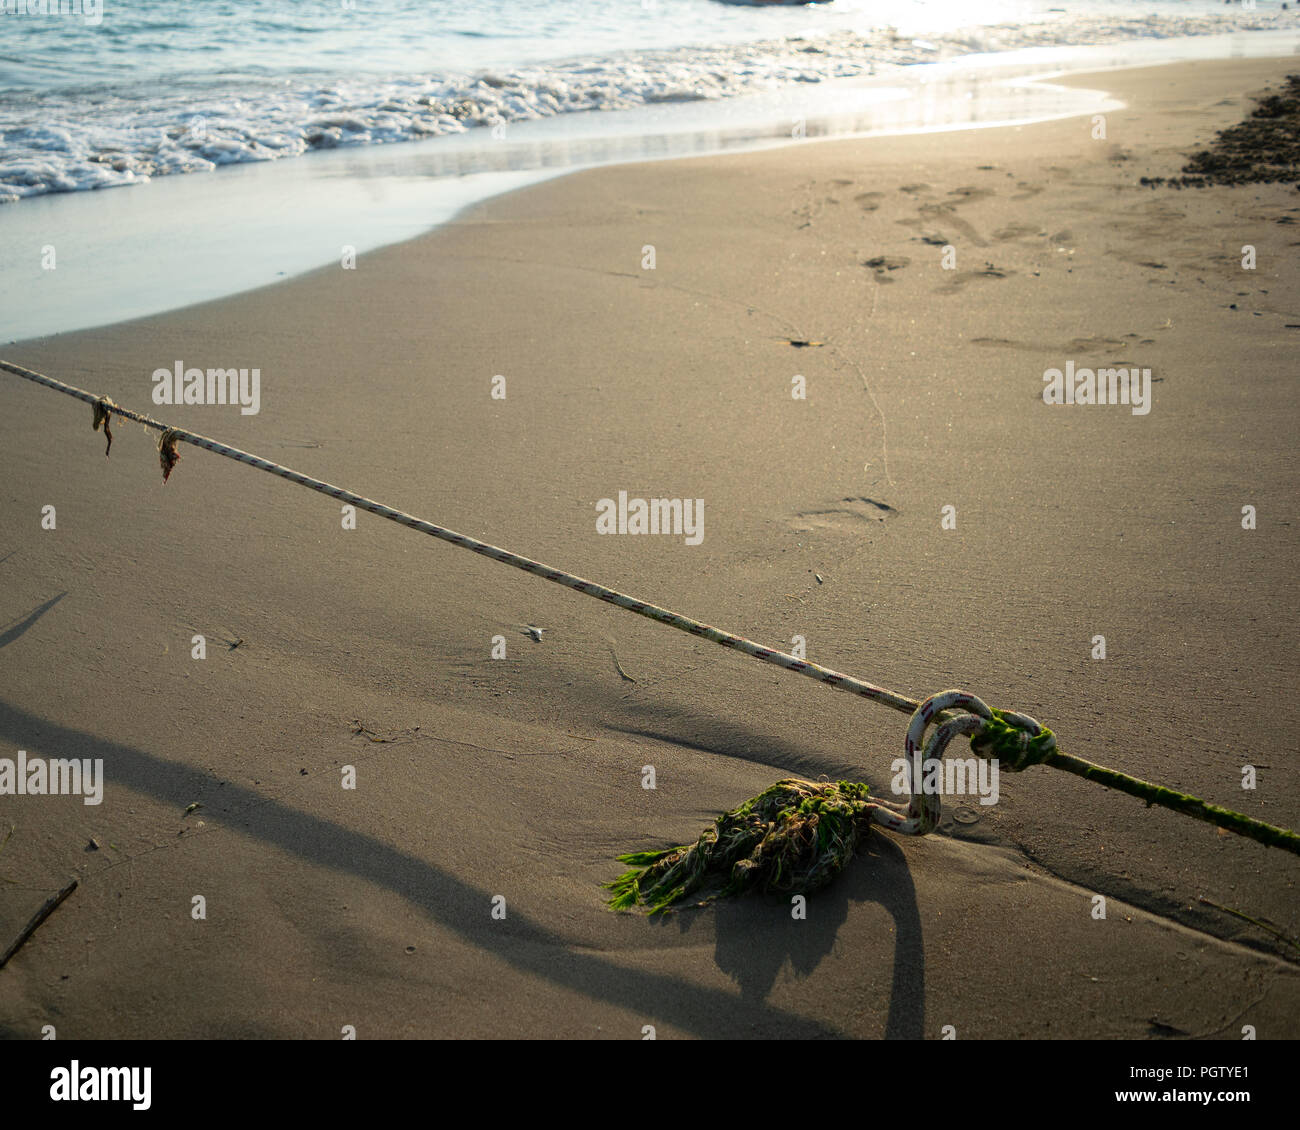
<point x="521" y="777"/>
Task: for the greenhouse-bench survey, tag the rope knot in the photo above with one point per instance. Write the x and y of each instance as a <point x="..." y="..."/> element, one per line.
<point x="1015" y="740"/>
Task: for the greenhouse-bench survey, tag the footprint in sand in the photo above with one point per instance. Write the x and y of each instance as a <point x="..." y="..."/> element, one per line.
<point x="869" y="201"/>
<point x="946" y="214"/>
<point x="958" y="281"/>
<point x="1027" y="191"/>
<point x="1160" y="210"/>
<point x="968" y="192"/>
<point x="1016" y="231"/>
<point x="883" y="264"/>
<point x="846" y="515"/>
<point x="1076" y="346"/>
<point x="914" y="189"/>
<point x="1084" y="344"/>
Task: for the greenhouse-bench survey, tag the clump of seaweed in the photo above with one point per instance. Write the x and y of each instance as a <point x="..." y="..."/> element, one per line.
<point x="1262" y="149"/>
<point x="793" y="838"/>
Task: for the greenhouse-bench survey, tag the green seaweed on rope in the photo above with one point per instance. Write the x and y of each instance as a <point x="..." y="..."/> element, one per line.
<point x="795" y="837"/>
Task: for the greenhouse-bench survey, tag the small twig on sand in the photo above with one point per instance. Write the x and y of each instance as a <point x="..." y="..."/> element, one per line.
<point x="51" y="904"/>
<point x="361" y="730"/>
<point x="619" y="667"/>
<point x="1281" y="937"/>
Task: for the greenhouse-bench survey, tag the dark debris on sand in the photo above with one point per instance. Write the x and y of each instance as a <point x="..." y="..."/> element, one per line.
<point x="1264" y="149"/>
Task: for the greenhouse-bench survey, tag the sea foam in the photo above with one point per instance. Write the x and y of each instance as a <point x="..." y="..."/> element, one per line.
<point x="67" y="142"/>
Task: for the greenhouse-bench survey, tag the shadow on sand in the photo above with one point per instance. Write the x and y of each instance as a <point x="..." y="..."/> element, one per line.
<point x="744" y="952"/>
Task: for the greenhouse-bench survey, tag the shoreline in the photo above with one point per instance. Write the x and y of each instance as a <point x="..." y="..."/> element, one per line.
<point x="299" y="119"/>
<point x="521" y="777"/>
<point x="132" y="256"/>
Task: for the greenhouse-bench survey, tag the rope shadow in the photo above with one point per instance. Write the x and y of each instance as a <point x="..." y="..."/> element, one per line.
<point x="730" y="739"/>
<point x="19" y="629"/>
<point x="447" y="900"/>
<point x="748" y="948"/>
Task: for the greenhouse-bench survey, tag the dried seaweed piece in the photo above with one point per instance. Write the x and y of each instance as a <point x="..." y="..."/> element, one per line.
<point x="168" y="456"/>
<point x="102" y="416"/>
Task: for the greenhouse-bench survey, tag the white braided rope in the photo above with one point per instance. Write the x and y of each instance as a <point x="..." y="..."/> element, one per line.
<point x="921" y="815"/>
<point x="918" y="817"/>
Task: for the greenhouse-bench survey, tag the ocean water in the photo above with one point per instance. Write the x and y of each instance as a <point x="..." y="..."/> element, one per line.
<point x="314" y="126"/>
<point x="106" y="93"/>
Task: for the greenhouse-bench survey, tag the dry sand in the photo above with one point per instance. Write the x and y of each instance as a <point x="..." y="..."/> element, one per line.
<point x="522" y="777"/>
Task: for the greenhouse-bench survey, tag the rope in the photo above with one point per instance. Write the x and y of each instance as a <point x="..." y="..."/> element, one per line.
<point x="1016" y="740"/>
